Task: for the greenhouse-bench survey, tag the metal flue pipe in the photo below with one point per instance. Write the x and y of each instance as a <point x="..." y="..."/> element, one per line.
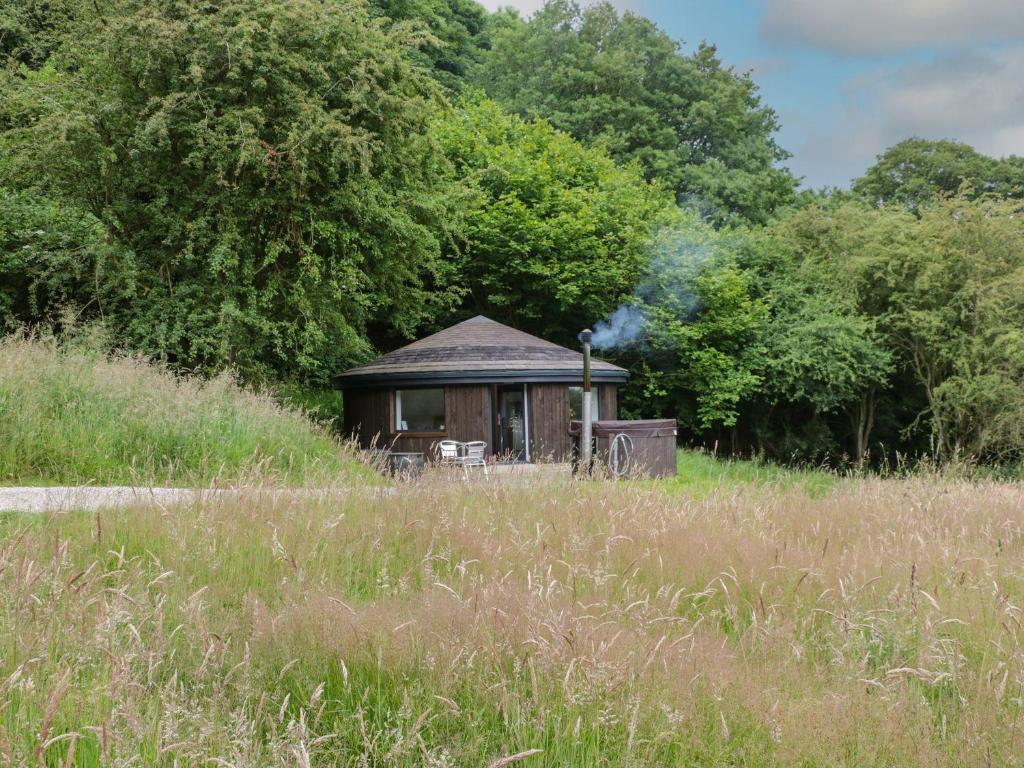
<point x="586" y="436"/>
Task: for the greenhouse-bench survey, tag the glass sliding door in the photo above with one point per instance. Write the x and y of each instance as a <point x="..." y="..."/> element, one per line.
<point x="513" y="423"/>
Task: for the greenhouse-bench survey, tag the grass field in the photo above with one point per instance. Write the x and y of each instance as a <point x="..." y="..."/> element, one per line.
<point x="701" y="473"/>
<point x="867" y="623"/>
<point x="740" y="614"/>
<point x="72" y="415"/>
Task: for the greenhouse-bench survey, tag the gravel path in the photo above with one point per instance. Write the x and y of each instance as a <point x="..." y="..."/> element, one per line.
<point x="72" y="498"/>
<point x="64" y="498"/>
<point x="67" y="498"/>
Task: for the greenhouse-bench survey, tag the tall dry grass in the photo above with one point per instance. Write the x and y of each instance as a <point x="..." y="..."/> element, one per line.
<point x="454" y="624"/>
<point x="70" y="413"/>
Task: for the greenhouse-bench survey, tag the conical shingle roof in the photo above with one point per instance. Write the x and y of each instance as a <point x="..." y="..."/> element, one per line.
<point x="478" y="350"/>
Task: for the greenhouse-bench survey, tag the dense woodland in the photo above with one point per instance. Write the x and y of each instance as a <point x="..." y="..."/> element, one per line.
<point x="286" y="187"/>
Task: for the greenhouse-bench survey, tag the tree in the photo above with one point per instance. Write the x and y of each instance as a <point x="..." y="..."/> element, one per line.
<point x="457" y="34"/>
<point x="958" y="311"/>
<point x="825" y="354"/>
<point x="556" y="234"/>
<point x="916" y="171"/>
<point x="937" y="292"/>
<point x="717" y="355"/>
<point x="51" y="256"/>
<point x="30" y="30"/>
<point x="265" y="164"/>
<point x="824" y="270"/>
<point x="691" y="122"/>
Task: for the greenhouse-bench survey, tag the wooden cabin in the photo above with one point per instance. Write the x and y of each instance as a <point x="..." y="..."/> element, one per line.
<point x="478" y="380"/>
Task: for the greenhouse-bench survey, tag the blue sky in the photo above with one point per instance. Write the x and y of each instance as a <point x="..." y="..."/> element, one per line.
<point x="849" y="78"/>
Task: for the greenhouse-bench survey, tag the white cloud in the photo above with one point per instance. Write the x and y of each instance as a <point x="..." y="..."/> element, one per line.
<point x="976" y="98"/>
<point x="973" y="95"/>
<point x="879" y="26"/>
<point x="525" y="7"/>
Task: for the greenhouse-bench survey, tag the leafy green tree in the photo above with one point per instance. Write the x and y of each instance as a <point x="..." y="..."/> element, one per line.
<point x="691" y="122"/>
<point x="832" y="351"/>
<point x="717" y="355"/>
<point x="938" y="292"/>
<point x="457" y="34"/>
<point x="30" y="30"/>
<point x="824" y="354"/>
<point x="52" y="256"/>
<point x="745" y="331"/>
<point x="831" y="359"/>
<point x="916" y="171"/>
<point x="267" y="166"/>
<point x="958" y="311"/>
<point x="555" y="233"/>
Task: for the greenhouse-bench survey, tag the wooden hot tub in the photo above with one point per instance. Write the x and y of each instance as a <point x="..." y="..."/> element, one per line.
<point x="636" y="448"/>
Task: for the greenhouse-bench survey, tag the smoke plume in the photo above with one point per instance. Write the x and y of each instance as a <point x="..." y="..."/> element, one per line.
<point x="678" y="257"/>
<point x="621" y="329"/>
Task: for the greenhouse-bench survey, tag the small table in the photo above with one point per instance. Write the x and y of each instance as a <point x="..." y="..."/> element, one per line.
<point x="406" y="463"/>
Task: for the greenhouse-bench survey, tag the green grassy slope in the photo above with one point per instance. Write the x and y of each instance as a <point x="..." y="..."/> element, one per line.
<point x="73" y="415"/>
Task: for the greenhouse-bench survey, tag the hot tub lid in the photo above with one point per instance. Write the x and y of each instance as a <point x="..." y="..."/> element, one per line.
<point x="631" y="427"/>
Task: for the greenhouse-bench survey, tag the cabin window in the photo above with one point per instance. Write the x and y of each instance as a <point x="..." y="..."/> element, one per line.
<point x="419" y="410"/>
<point x="576" y="404"/>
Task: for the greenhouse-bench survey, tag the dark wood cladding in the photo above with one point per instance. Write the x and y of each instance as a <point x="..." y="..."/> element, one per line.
<point x="549" y="422"/>
<point x="368" y="416"/>
<point x="549" y="418"/>
<point x="468" y="411"/>
<point x="652" y="441"/>
<point x="608" y="401"/>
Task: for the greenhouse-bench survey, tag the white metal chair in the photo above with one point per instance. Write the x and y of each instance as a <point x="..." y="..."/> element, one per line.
<point x="474" y="455"/>
<point x="449" y="452"/>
